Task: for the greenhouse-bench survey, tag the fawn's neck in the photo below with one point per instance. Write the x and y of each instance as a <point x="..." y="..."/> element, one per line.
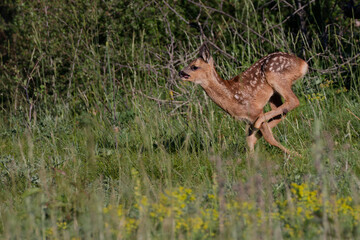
<point x="217" y="89"/>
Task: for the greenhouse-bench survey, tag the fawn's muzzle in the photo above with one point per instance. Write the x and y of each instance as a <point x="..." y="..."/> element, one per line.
<point x="184" y="75"/>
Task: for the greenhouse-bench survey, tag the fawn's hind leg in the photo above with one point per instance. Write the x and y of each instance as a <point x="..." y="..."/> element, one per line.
<point x="265" y="131"/>
<point x="269" y="137"/>
<point x="275" y="102"/>
<point x="266" y="128"/>
<point x="251" y="137"/>
<point x="251" y="134"/>
<point x="290" y="102"/>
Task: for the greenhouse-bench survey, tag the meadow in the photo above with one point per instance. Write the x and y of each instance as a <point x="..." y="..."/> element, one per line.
<point x="99" y="138"/>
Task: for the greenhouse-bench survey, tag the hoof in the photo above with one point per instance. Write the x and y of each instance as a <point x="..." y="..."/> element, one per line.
<point x="252" y="129"/>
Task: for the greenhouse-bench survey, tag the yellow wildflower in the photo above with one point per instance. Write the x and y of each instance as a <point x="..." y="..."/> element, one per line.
<point x="62" y="225"/>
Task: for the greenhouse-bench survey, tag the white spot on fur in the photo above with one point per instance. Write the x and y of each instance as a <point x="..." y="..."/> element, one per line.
<point x="236" y="96"/>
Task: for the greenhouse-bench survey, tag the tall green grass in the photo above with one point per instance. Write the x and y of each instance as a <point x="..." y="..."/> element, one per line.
<point x="125" y="150"/>
<point x="69" y="177"/>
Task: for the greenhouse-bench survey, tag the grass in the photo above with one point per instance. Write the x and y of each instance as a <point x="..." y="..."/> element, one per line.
<point x="181" y="176"/>
<point x="124" y="150"/>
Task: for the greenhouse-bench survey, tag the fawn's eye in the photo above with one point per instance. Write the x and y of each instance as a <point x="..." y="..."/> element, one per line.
<point x="193" y="67"/>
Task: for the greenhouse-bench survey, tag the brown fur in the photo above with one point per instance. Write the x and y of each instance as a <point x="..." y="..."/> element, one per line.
<point x="245" y="95"/>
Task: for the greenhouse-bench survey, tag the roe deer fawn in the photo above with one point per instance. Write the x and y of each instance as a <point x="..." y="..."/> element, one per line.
<point x="245" y="95"/>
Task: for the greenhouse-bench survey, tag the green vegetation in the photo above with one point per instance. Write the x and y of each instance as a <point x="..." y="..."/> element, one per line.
<point x="100" y="140"/>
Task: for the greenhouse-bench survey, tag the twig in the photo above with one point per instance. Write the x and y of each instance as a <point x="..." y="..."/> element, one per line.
<point x="349" y="111"/>
<point x="146" y="5"/>
<point x="223" y="52"/>
<point x="286" y="19"/>
<point x="26" y="88"/>
<point x="171" y="46"/>
<point x="288" y="4"/>
<point x="236" y="20"/>
<point x="178" y="106"/>
<point x="160" y="100"/>
<point x="73" y="64"/>
<point x="183" y="19"/>
<point x="333" y="69"/>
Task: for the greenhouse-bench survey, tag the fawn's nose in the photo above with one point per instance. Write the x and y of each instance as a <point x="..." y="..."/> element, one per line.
<point x="183" y="74"/>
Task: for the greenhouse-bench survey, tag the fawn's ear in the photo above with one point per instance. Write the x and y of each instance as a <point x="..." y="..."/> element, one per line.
<point x="205" y="54"/>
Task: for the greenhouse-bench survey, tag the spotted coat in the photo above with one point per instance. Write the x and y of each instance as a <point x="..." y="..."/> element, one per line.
<point x="246" y="85"/>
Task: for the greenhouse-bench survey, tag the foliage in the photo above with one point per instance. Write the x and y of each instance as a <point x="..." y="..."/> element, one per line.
<point x="99" y="138"/>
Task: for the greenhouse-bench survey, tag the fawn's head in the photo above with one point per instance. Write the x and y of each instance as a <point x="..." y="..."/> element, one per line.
<point x="199" y="70"/>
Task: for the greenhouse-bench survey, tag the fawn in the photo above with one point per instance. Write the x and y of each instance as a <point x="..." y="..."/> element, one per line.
<point x="245" y="95"/>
